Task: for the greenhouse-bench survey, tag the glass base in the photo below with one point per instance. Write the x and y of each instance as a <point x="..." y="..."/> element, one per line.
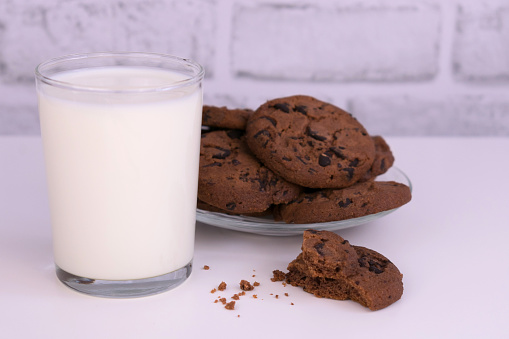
<point x="125" y="288"/>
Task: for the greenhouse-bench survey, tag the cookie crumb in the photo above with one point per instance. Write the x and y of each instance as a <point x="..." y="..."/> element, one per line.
<point x="223" y="301"/>
<point x="230" y="305"/>
<point x="286" y="294"/>
<point x="222" y="286"/>
<point x="291" y="304"/>
<point x="235" y="296"/>
<point x="246" y="285"/>
<point x="255" y="296"/>
<point x="216" y="301"/>
<point x="253" y="275"/>
<point x="242" y="293"/>
<point x="277" y="296"/>
<point x="213" y="290"/>
<point x="206" y="267"/>
<point x="278" y="276"/>
<point x="256" y="283"/>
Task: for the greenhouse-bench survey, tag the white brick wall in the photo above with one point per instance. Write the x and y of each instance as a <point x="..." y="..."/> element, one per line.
<point x="421" y="67"/>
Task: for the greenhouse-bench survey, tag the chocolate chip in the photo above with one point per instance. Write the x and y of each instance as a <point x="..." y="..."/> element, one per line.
<point x="262" y="132"/>
<point x="231" y="206"/>
<point x="301" y="160"/>
<point x="235" y="133"/>
<point x="354" y="163"/>
<point x="286" y="159"/>
<point x="313" y="231"/>
<point x="314" y="135"/>
<point x="272" y="121"/>
<point x="350" y="172"/>
<point x="301" y="109"/>
<point x="223" y="154"/>
<point x="282" y="107"/>
<point x="324" y="160"/>
<point x="235" y="162"/>
<point x="318" y="247"/>
<point x="345" y="203"/>
<point x="337" y="152"/>
<point x="382" y="165"/>
<point x="218" y="164"/>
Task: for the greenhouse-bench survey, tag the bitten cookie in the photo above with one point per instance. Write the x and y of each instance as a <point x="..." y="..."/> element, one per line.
<point x="232" y="179"/>
<point x="372" y="280"/>
<point x="355" y="201"/>
<point x="310" y="142"/>
<point x="384" y="159"/>
<point x="222" y="117"/>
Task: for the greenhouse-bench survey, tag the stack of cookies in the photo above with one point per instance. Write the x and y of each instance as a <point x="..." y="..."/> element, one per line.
<point x="298" y="158"/>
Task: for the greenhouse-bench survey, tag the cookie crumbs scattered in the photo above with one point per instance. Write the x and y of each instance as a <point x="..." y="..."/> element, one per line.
<point x="235" y="297"/>
<point x="278" y="275"/>
<point x="206" y="267"/>
<point x="222" y="286"/>
<point x="246" y="285"/>
<point x="256" y="283"/>
<point x="230" y="305"/>
<point x="213" y="290"/>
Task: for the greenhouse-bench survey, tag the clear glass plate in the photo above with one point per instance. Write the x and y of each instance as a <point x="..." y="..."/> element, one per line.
<point x="267" y="225"/>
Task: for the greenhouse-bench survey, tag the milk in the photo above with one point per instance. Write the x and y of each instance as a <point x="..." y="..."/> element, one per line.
<point x="122" y="172"/>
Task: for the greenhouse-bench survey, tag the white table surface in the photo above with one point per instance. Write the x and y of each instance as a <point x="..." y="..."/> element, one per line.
<point x="450" y="242"/>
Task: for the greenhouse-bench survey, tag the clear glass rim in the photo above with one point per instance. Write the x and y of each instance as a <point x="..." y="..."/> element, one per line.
<point x="199" y="72"/>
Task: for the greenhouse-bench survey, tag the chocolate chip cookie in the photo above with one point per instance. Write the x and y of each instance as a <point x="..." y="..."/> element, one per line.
<point x="222" y="117"/>
<point x="371" y="279"/>
<point x="232" y="179"/>
<point x="358" y="200"/>
<point x="310" y="142"/>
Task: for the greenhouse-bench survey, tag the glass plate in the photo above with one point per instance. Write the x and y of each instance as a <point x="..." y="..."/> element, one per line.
<point x="267" y="225"/>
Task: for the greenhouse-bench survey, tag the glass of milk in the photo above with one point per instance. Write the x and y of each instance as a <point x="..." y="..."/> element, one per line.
<point x="121" y="136"/>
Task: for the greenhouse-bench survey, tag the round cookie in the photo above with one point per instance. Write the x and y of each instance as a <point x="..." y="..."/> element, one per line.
<point x="310" y="142"/>
<point x="384" y="159"/>
<point x="354" y="201"/>
<point x="232" y="179"/>
<point x="222" y="117"/>
<point x="371" y="279"/>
